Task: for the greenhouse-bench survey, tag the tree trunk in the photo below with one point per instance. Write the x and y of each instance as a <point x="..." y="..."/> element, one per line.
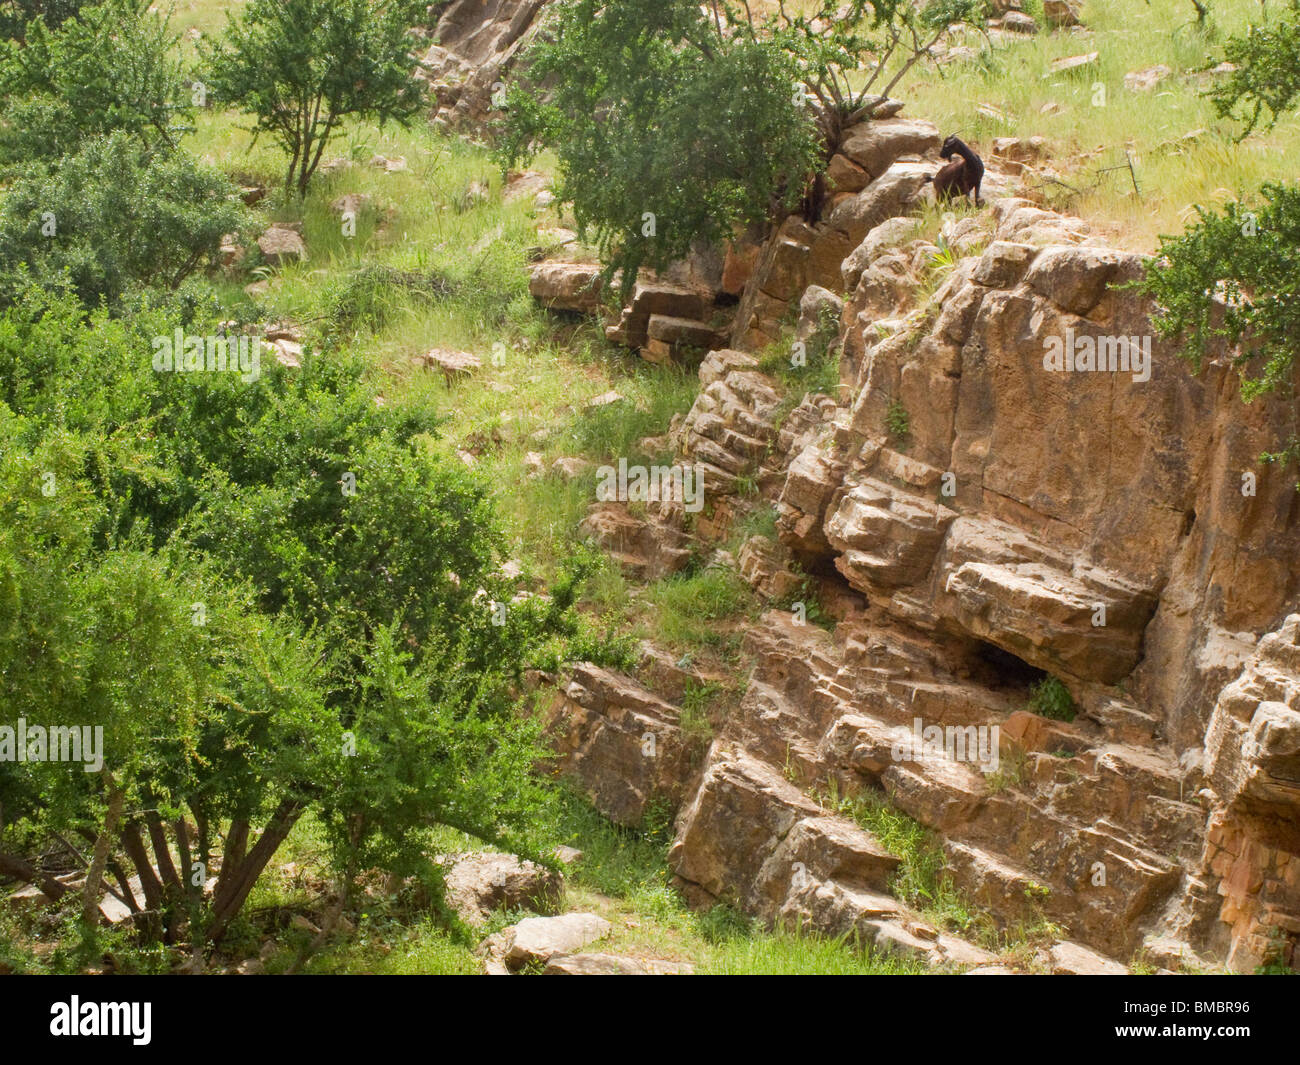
<point x="229" y="901"/>
<point x="103" y="848"/>
<point x="12" y="865"/>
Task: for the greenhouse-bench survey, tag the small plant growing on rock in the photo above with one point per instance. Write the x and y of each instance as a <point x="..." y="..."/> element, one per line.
<point x="1051" y="699"/>
<point x="897" y="421"/>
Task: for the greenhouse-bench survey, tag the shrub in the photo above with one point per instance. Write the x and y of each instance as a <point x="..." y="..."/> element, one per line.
<point x="1234" y="278"/>
<point x="1050" y="698"/>
<point x="113" y="67"/>
<point x="112" y="217"/>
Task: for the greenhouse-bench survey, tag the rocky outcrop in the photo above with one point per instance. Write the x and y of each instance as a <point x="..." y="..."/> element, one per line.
<point x="1252" y="769"/>
<point x="479" y="882"/>
<point x="476" y="43"/>
<point x="620" y="741"/>
<point x="1015" y="480"/>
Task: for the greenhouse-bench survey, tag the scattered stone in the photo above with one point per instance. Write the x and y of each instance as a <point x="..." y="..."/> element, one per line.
<point x="994" y="113"/>
<point x="302" y="924"/>
<point x="566" y="286"/>
<point x="1060" y="13"/>
<point x="534" y="463"/>
<point x="521" y="183"/>
<point x="1146" y="80"/>
<point x="350" y="203"/>
<point x="571" y="466"/>
<point x="1019" y="22"/>
<point x="602" y="400"/>
<point x="475" y="195"/>
<point x="1074" y="959"/>
<point x="287" y="352"/>
<point x="1073" y="63"/>
<point x="280" y="244"/>
<point x="613" y="965"/>
<point x="453" y="363"/>
<point x="568" y="855"/>
<point x="392" y="166"/>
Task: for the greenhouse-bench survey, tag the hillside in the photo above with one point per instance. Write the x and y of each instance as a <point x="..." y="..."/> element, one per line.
<point x="930" y="659"/>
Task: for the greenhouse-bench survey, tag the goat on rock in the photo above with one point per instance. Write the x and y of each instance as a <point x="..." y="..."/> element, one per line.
<point x="961" y="176"/>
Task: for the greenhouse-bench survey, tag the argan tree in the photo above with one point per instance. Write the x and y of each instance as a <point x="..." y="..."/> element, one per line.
<point x="301" y="68"/>
<point x="1266" y="82"/>
<point x="675" y="122"/>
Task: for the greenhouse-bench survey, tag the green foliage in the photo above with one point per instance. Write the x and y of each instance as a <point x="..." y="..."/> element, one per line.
<point x="1051" y="699"/>
<point x="347" y="660"/>
<point x="657" y="148"/>
<point x="897" y="421"/>
<point x="827" y="39"/>
<point x="16" y="14"/>
<point x="302" y="67"/>
<point x="688" y="608"/>
<point x="1267" y="76"/>
<point x="922" y="880"/>
<point x="1234" y="278"/>
<point x="794" y="952"/>
<point x="114" y="216"/>
<point x="111" y="68"/>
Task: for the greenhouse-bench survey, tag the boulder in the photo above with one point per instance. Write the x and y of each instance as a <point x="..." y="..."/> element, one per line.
<point x="538" y="939"/>
<point x="280" y="245"/>
<point x="572" y="287"/>
<point x="453" y="364"/>
<point x="613" y="965"/>
<point x="479" y="882"/>
<point x="876" y="145"/>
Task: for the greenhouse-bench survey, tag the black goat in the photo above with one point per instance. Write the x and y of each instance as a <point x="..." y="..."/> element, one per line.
<point x="960" y="177"/>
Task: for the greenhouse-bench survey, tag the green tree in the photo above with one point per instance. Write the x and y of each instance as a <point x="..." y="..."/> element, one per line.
<point x="1266" y="81"/>
<point x="112" y="67"/>
<point x="675" y="122"/>
<point x="1234" y="278"/>
<point x="352" y="659"/>
<point x="302" y="67"/>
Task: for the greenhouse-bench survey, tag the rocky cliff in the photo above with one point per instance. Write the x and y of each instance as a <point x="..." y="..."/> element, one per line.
<point x="1015" y="480"/>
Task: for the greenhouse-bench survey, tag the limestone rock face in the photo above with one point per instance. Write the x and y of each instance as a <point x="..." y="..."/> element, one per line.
<point x="476" y="44"/>
<point x="622" y="742"/>
<point x="1014" y="479"/>
<point x="1252" y="766"/>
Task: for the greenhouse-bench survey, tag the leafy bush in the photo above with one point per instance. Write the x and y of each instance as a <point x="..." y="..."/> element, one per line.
<point x="657" y="147"/>
<point x="113" y="67"/>
<point x="1050" y="698"/>
<point x="1266" y="78"/>
<point x="16" y="14"/>
<point x="114" y="216"/>
<point x="255" y="640"/>
<point x="1234" y="278"/>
